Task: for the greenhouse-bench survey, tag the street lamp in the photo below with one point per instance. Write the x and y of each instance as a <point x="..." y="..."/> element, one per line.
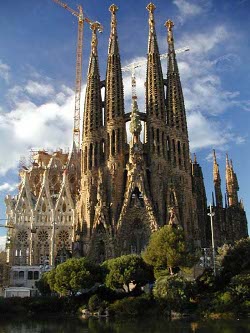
<point x="211" y="214"/>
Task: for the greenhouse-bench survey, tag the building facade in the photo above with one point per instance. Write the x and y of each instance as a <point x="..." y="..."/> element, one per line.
<point x="107" y="198"/>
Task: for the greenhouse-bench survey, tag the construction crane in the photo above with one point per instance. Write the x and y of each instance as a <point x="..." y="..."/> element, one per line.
<point x="131" y="68"/>
<point x="81" y="19"/>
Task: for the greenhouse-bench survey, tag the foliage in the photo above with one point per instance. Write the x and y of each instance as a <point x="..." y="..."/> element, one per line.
<point x="167" y="249"/>
<point x="73" y="275"/>
<point x="236" y="259"/>
<point x="207" y="282"/>
<point x="97" y="304"/>
<point x="174" y="292"/>
<point x="43" y="285"/>
<point x="132" y="306"/>
<point x="233" y="299"/>
<point x="127" y="269"/>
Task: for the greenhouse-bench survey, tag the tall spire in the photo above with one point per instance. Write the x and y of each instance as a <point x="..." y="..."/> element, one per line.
<point x="114" y="85"/>
<point x="217" y="182"/>
<point x="231" y="184"/>
<point x="155" y="101"/>
<point x="172" y="63"/>
<point x="114" y="97"/>
<point x="92" y="143"/>
<point x="93" y="100"/>
<point x="176" y="114"/>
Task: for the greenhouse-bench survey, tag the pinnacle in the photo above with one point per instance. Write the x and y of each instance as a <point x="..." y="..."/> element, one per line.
<point x="151" y="7"/>
<point x="169" y="24"/>
<point x="113" y="8"/>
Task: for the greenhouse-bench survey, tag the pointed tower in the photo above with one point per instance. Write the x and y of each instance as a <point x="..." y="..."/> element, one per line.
<point x="199" y="194"/>
<point x="114" y="121"/>
<point x="93" y="140"/>
<point x="231" y="184"/>
<point x="155" y="101"/>
<point x="236" y="221"/>
<point x="177" y="138"/>
<point x="180" y="175"/>
<point x="217" y="182"/>
<point x="156" y="122"/>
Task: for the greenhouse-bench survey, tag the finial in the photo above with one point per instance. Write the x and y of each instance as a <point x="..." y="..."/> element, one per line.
<point x="94" y="27"/>
<point x="151" y="7"/>
<point x="113" y="8"/>
<point x="227" y="160"/>
<point x="169" y="24"/>
<point x="195" y="159"/>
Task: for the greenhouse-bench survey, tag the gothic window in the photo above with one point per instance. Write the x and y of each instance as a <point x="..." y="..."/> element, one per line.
<point x="113" y="143"/>
<point x="63" y="235"/>
<point x="64" y="207"/>
<point x="96" y="154"/>
<point x="43" y="236"/>
<point x="22" y="236"/>
<point x="136" y="198"/>
<point x="179" y="153"/>
<point x="168" y="149"/>
<point x="44" y="207"/>
<point x="137" y="238"/>
<point x="118" y="140"/>
<point x="85" y="159"/>
<point x="90" y="156"/>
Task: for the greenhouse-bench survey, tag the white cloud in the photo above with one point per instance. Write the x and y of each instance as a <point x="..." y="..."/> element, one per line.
<point x="34" y="88"/>
<point x="4" y="71"/>
<point x="2" y="242"/>
<point x="189" y="9"/>
<point x="6" y="187"/>
<point x="27" y="125"/>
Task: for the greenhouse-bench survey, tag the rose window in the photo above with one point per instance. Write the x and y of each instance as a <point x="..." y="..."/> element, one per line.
<point x="63" y="236"/>
<point x="43" y="236"/>
<point x="22" y="236"/>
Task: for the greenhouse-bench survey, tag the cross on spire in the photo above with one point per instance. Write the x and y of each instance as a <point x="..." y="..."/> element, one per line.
<point x="169" y="24"/>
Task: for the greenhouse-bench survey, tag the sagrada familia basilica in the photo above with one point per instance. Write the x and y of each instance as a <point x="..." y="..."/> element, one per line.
<point x="106" y="198"/>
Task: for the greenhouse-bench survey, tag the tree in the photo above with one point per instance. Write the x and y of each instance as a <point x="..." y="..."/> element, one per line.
<point x="236" y="259"/>
<point x="127" y="269"/>
<point x="166" y="249"/>
<point x="174" y="292"/>
<point x="43" y="284"/>
<point x="73" y="275"/>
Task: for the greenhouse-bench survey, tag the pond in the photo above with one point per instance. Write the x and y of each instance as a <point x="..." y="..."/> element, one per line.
<point x="144" y="325"/>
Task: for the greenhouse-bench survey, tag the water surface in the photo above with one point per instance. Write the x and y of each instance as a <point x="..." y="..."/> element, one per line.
<point x="143" y="325"/>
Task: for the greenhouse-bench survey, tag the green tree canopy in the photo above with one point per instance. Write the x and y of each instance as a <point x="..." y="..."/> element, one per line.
<point x="73" y="275"/>
<point x="127" y="269"/>
<point x="236" y="259"/>
<point x="166" y="249"/>
<point x="174" y="292"/>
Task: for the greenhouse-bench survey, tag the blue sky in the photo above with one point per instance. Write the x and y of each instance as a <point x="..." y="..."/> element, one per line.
<point x="37" y="73"/>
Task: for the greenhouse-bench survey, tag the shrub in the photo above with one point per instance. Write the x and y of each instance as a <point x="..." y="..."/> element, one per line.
<point x="131" y="306"/>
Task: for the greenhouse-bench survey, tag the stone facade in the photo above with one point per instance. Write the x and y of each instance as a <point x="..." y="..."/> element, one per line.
<point x="106" y="199"/>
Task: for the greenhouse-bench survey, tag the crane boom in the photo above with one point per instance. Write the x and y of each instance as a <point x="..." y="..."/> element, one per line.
<point x="131" y="68"/>
<point x="78" y="82"/>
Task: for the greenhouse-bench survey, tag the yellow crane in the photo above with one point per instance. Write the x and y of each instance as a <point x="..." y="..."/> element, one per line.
<point x="81" y="19"/>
